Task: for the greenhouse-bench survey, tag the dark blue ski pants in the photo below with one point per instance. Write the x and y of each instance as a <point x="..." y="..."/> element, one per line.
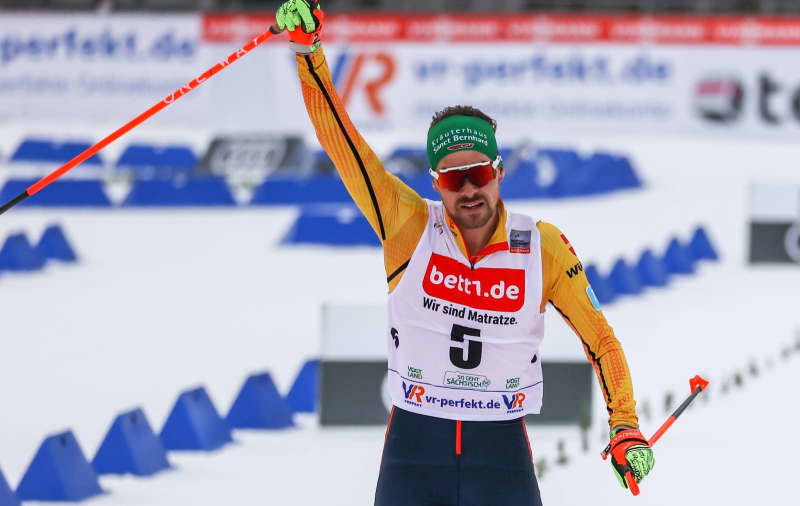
<point x="429" y="461"/>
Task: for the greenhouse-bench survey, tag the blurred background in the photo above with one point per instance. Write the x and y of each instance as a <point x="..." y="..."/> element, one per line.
<point x="205" y="279"/>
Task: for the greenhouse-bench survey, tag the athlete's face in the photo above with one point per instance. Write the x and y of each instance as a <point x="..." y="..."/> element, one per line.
<point x="471" y="206"/>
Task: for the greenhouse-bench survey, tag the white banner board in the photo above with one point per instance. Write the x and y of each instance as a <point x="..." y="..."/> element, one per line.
<point x="56" y="67"/>
<point x="572" y="73"/>
<point x="577" y="74"/>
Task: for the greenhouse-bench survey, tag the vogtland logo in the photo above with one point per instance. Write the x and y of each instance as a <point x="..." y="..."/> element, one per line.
<point x="514" y="403"/>
<point x="465" y="380"/>
<point x="413" y="393"/>
<point x="485" y="288"/>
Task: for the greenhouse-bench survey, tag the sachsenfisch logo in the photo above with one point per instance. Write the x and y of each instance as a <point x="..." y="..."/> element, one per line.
<point x="466" y="380"/>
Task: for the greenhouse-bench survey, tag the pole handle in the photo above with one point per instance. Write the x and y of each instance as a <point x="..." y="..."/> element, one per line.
<point x="697" y="385"/>
<point x="631" y="481"/>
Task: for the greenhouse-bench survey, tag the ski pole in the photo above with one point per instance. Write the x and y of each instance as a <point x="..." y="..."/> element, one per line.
<point x="697" y="385"/>
<point x="138" y="120"/>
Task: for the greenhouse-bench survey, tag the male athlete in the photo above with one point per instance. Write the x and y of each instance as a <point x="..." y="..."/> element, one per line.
<point x="468" y="284"/>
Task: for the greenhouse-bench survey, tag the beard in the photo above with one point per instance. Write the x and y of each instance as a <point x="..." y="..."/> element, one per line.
<point x="466" y="219"/>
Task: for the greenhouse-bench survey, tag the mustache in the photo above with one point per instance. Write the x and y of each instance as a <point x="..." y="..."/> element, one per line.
<point x="477" y="198"/>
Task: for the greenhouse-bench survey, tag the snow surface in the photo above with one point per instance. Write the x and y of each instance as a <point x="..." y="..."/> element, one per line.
<point x="165" y="300"/>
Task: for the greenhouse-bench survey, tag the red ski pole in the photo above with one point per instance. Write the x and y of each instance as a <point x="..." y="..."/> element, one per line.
<point x="697" y="385"/>
<point x="138" y="120"/>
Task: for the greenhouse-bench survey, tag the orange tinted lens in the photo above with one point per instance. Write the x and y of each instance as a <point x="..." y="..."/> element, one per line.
<point x="479" y="176"/>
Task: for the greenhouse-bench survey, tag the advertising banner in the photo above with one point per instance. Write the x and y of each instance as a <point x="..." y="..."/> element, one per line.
<point x="556" y="73"/>
<point x="251" y="158"/>
<point x="775" y="223"/>
<point x="663" y="74"/>
<point x="57" y="67"/>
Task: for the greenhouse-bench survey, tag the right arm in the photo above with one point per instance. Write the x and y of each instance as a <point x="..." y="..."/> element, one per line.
<point x="396" y="212"/>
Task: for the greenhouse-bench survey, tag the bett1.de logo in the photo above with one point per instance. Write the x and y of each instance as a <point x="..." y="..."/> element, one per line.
<point x="485" y="288"/>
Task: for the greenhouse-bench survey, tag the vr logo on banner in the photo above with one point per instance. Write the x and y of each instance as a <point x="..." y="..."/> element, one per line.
<point x="413" y="393"/>
<point x="352" y="72"/>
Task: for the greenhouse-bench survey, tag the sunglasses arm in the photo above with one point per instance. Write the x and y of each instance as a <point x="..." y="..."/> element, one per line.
<point x="496" y="163"/>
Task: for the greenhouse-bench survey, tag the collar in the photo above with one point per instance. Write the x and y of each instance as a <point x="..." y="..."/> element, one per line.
<point x="497" y="242"/>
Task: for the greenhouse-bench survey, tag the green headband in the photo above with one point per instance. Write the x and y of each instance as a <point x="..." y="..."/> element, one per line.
<point x="460" y="133"/>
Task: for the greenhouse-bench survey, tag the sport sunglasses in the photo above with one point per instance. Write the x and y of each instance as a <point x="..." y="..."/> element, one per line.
<point x="452" y="178"/>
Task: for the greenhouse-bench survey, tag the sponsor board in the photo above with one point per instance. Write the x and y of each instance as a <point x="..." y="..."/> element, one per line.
<point x="97" y="67"/>
<point x="388" y="86"/>
<point x="406" y="84"/>
<point x="704" y="89"/>
<point x="666" y="74"/>
<point x="352" y="393"/>
<point x="763" y="98"/>
<point x="576" y="28"/>
<point x="662" y="74"/>
<point x="251" y="158"/>
<point x="775" y="223"/>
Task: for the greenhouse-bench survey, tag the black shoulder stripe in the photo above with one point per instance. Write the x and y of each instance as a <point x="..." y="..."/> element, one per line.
<point x="591" y="354"/>
<point x="352" y="146"/>
<point x="398" y="271"/>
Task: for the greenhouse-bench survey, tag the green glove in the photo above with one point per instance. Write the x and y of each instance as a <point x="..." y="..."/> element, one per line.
<point x="630" y="451"/>
<point x="305" y="15"/>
